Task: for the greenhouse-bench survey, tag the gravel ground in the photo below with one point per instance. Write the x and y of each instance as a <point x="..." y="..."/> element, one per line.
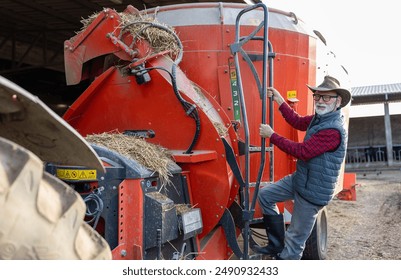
<point x="370" y="227"/>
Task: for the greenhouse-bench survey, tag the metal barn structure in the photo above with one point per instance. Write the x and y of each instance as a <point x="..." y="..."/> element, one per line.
<point x="375" y="142"/>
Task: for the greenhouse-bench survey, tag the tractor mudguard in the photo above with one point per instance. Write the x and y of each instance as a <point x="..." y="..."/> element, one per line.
<point x="27" y="121"/>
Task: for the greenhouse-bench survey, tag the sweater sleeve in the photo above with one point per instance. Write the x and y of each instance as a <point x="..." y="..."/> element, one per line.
<point x="294" y="119"/>
<point x="319" y="143"/>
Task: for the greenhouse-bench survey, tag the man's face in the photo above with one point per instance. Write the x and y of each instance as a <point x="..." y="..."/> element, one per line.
<point x="326" y="101"/>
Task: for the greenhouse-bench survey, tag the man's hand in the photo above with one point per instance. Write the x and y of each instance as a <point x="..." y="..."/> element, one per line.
<point x="271" y="91"/>
<point x="265" y="130"/>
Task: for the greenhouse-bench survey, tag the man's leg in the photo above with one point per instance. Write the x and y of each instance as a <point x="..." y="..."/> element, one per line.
<point x="302" y="221"/>
<point x="279" y="191"/>
<point x="273" y="220"/>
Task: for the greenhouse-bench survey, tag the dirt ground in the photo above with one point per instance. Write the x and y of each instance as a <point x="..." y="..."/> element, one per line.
<point x="370" y="227"/>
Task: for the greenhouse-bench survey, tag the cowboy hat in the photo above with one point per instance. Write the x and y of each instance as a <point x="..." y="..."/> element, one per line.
<point x="332" y="84"/>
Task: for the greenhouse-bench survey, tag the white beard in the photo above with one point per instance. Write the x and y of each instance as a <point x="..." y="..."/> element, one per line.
<point x="322" y="109"/>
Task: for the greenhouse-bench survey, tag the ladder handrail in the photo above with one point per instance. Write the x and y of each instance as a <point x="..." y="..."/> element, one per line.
<point x="271" y="123"/>
<point x="249" y="208"/>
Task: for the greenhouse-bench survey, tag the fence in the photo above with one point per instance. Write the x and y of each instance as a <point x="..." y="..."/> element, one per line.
<point x="371" y="154"/>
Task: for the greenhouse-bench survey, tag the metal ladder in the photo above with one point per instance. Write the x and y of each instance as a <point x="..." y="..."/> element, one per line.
<point x="248" y="203"/>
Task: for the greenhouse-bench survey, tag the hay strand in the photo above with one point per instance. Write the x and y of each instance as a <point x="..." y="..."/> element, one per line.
<point x="141" y="27"/>
<point x="151" y="156"/>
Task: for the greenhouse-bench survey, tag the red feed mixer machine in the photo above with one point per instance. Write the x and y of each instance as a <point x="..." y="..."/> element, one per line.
<point x="204" y="104"/>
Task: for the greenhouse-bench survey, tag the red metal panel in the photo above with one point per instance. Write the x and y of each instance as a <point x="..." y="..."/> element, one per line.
<point x="216" y="247"/>
<point x="130" y="221"/>
<point x="293" y="69"/>
<point x="348" y="192"/>
<point x="154" y="106"/>
<point x="85" y="45"/>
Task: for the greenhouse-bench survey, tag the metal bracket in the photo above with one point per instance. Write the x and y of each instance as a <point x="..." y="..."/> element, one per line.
<point x="233" y="163"/>
<point x="227" y="222"/>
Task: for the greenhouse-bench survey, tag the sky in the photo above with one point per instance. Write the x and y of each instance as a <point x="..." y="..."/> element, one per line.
<point x="362" y="34"/>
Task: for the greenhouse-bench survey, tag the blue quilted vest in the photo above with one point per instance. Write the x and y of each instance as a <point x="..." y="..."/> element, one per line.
<point x="315" y="180"/>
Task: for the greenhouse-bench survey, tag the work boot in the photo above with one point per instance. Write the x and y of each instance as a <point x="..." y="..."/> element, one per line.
<point x="275" y="230"/>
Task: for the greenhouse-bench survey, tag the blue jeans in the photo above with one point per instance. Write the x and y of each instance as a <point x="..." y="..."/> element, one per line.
<point x="303" y="217"/>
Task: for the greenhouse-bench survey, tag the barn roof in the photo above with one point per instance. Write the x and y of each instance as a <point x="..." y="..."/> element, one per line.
<point x="375" y="94"/>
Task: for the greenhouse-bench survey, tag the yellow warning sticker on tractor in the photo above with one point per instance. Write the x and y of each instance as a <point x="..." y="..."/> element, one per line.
<point x="291" y="94"/>
<point x="76" y="174"/>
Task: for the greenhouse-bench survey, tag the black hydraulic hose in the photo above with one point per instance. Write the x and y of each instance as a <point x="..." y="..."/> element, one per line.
<point x="96" y="200"/>
<point x="190" y="109"/>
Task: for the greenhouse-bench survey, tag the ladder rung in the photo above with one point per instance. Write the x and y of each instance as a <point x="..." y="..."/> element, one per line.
<point x="262" y="184"/>
<point x="254" y="149"/>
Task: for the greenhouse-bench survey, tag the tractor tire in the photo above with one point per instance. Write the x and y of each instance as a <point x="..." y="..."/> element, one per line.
<point x="316" y="245"/>
<point x="40" y="216"/>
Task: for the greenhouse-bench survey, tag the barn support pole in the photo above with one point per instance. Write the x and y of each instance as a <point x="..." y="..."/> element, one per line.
<point x="389" y="139"/>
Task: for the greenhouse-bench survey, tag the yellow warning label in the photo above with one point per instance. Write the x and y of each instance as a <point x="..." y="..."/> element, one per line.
<point x="291" y="94"/>
<point x="233" y="75"/>
<point x="76" y="174"/>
